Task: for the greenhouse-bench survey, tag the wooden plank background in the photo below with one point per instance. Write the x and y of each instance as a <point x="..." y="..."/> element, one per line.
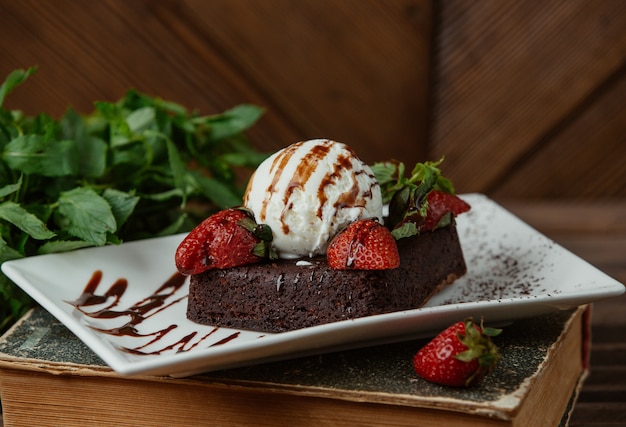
<point x="531" y="97"/>
<point x="349" y="70"/>
<point x="525" y="99"/>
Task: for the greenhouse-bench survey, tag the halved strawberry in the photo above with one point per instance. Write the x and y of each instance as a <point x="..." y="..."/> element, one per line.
<point x="226" y="239"/>
<point x="439" y="205"/>
<point x="365" y="244"/>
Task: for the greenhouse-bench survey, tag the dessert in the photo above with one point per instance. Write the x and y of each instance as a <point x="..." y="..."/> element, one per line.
<point x="313" y="222"/>
<point x="291" y="294"/>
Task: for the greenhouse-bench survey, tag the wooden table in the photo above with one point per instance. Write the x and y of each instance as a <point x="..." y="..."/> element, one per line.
<point x="596" y="233"/>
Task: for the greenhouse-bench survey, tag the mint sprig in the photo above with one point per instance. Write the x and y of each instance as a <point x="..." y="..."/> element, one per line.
<point x="407" y="195"/>
<point x="135" y="168"/>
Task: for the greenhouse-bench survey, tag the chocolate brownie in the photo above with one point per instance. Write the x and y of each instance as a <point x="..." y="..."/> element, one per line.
<point x="285" y="295"/>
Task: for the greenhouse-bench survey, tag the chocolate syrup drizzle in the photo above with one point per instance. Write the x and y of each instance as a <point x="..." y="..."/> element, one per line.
<point x="306" y="167"/>
<point x="163" y="298"/>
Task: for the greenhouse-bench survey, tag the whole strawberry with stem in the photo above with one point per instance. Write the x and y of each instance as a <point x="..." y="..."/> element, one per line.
<point x="460" y="356"/>
<point x="364" y="244"/>
<point x="228" y="238"/>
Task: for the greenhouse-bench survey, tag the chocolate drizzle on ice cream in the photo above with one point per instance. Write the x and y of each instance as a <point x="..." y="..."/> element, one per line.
<point x="309" y="191"/>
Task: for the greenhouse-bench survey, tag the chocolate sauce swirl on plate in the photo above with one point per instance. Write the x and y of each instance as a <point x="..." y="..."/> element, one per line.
<point x="106" y="306"/>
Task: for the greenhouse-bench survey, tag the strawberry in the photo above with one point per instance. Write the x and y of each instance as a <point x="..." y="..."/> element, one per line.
<point x="439" y="205"/>
<point x="365" y="244"/>
<point x="459" y="356"/>
<point x="226" y="239"/>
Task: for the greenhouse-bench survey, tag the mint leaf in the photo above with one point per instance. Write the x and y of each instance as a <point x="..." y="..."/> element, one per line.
<point x="120" y="132"/>
<point x="141" y="119"/>
<point x="57" y="246"/>
<point x="92" y="153"/>
<point x="233" y="121"/>
<point x="10" y="188"/>
<point x="25" y="221"/>
<point x="221" y="195"/>
<point x="423" y="170"/>
<point x="35" y="154"/>
<point x="390" y="177"/>
<point x="446" y="219"/>
<point x="122" y="204"/>
<point x="388" y="172"/>
<point x="7" y="253"/>
<point x="13" y="80"/>
<point x="425" y="176"/>
<point x="407" y="229"/>
<point x="86" y="215"/>
<point x="244" y="159"/>
<point x="92" y="150"/>
<point x="178" y="169"/>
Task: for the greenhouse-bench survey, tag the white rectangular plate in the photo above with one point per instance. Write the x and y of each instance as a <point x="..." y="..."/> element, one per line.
<point x="513" y="272"/>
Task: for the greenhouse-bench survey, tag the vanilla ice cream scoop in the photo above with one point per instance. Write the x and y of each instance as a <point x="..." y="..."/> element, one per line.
<point x="309" y="191"/>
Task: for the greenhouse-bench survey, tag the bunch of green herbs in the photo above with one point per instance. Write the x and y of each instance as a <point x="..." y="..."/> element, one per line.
<point x="137" y="168"/>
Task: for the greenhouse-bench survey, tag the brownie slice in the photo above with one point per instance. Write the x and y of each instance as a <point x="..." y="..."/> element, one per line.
<point x="291" y="294"/>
